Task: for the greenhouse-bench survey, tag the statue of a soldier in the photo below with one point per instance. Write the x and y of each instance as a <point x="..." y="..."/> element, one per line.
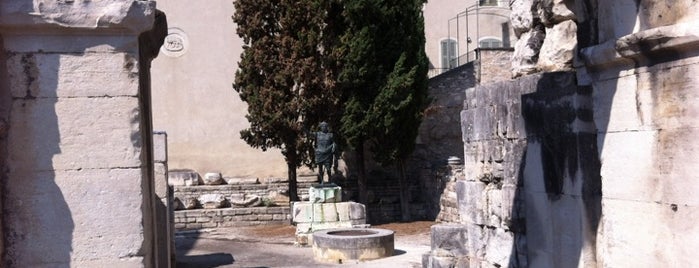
<point x="325" y="151"/>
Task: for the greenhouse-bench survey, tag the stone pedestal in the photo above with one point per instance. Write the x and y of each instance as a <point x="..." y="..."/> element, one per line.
<point x="325" y="193"/>
<point x="324" y="211"/>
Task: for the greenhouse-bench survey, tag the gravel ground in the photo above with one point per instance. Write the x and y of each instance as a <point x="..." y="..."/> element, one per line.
<point x="273" y="246"/>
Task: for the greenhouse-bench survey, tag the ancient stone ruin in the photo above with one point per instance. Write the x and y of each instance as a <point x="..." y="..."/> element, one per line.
<point x="215" y="201"/>
<point x="76" y="164"/>
<point x="586" y="159"/>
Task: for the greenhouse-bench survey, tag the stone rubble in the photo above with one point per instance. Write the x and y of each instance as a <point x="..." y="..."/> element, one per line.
<point x="213" y="178"/>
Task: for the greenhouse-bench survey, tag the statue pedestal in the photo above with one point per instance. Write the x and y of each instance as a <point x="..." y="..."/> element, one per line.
<point x="310" y="217"/>
<point x="325" y="210"/>
<point x="325" y="193"/>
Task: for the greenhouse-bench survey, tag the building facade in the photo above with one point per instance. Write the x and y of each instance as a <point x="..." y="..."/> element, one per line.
<point x="454" y="29"/>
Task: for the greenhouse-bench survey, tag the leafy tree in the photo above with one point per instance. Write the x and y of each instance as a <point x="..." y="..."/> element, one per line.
<point x="382" y="72"/>
<point x="280" y="76"/>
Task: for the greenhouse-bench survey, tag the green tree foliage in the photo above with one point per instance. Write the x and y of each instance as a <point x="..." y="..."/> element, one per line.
<point x="383" y="76"/>
<point x="299" y="56"/>
<point x="280" y="76"/>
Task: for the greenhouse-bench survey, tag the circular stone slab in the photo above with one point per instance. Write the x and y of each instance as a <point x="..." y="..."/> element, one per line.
<point x="340" y="245"/>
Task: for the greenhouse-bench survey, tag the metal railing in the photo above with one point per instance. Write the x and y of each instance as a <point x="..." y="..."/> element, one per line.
<point x="463" y="59"/>
<point x="478" y="9"/>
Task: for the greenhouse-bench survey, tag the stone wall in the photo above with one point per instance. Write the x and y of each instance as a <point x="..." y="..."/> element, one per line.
<point x="231" y="217"/>
<point x="530" y="175"/>
<point x="578" y="166"/>
<point x="76" y="157"/>
<point x="492" y="65"/>
<point x="643" y="71"/>
<point x="448" y="201"/>
<point x="440" y="134"/>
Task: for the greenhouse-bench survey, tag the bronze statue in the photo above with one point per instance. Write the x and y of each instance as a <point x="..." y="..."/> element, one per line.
<point x="325" y="150"/>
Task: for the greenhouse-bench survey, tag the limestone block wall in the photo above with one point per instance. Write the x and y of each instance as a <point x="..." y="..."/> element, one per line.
<point x="76" y="171"/>
<point x="440" y="133"/>
<point x="448" y="201"/>
<point x="596" y="176"/>
<point x="530" y="174"/>
<point x="643" y="73"/>
<point x="231" y="217"/>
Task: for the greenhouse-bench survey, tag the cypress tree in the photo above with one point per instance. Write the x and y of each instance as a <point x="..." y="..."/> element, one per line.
<point x="280" y="76"/>
<point x="383" y="78"/>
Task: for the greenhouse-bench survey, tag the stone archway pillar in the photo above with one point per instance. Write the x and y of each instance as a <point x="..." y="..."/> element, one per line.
<point x="77" y="172"/>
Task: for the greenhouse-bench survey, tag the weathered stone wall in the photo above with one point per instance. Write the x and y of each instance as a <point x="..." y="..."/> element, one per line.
<point x="76" y="183"/>
<point x="231" y="217"/>
<point x="643" y="73"/>
<point x="581" y="168"/>
<point x="492" y="65"/>
<point x="440" y="134"/>
<point x="530" y="176"/>
<point x="448" y="201"/>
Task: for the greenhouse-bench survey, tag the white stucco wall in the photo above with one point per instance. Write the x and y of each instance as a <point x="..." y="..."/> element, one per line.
<point x="194" y="102"/>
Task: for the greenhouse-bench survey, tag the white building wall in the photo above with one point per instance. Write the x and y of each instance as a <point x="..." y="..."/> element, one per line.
<point x="193" y="98"/>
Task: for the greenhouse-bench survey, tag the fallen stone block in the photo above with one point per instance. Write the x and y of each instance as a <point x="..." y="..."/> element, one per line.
<point x="190" y="203"/>
<point x="212" y="201"/>
<point x="182" y="177"/>
<point x="451" y="238"/>
<point x="213" y="178"/>
<point x="237" y="181"/>
<point x="246" y="201"/>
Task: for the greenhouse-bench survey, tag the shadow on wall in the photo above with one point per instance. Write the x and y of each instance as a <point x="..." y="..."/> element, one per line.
<point x="557" y="204"/>
<point x="37" y="223"/>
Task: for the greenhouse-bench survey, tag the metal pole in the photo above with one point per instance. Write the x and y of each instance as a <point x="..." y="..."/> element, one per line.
<point x="456" y="53"/>
<point x="478" y="30"/>
<point x="467" y="43"/>
<point x="448" y="41"/>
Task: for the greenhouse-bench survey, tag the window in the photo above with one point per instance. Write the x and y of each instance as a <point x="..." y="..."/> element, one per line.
<point x="490" y="43"/>
<point x="448" y="53"/>
<point x="488" y="2"/>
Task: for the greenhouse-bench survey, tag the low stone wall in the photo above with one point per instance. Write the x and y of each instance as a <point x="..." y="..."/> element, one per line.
<point x="230" y="217"/>
<point x="265" y="191"/>
<point x="233" y="202"/>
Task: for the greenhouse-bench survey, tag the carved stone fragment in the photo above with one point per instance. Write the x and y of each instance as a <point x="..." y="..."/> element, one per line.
<point x="236" y="181"/>
<point x="212" y="201"/>
<point x="183" y="177"/>
<point x="190" y="203"/>
<point x="213" y="178"/>
<point x="245" y="201"/>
